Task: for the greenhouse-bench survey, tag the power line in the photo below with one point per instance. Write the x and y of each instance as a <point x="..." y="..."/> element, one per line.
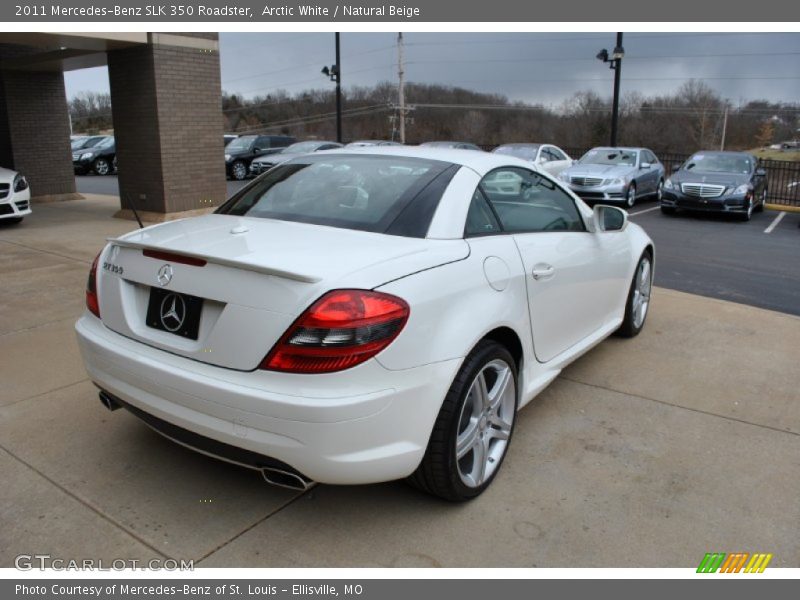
<point x="310" y="64"/>
<point x="313" y="119"/>
<point x="279" y="85"/>
<point x="583" y="59"/>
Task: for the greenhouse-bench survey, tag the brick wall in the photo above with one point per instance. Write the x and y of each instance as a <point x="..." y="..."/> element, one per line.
<point x="34" y="129"/>
<point x="168" y="125"/>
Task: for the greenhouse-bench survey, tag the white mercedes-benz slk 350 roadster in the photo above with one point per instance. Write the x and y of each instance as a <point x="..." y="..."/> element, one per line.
<point x="363" y="315"/>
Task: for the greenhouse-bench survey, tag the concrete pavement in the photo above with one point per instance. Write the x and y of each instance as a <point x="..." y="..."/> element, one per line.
<point x="645" y="452"/>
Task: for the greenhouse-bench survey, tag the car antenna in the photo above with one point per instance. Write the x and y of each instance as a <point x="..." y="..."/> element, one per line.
<point x="135" y="213"/>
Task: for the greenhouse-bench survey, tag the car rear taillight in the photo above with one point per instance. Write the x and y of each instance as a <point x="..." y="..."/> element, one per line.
<point x="92" y="303"/>
<point x="342" y="329"/>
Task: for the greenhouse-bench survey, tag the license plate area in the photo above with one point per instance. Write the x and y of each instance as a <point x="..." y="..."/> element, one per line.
<point x="174" y="313"/>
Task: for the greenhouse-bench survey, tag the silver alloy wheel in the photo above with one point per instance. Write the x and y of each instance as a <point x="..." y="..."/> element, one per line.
<point x="239" y="170"/>
<point x="485" y="422"/>
<point x="641" y="292"/>
<point x="630" y="196"/>
<point x="101" y="166"/>
<point x="763" y="198"/>
<point x="749" y="209"/>
<point x="660" y="191"/>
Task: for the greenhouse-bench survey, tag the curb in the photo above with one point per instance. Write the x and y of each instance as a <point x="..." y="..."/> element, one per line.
<point x="782" y="207"/>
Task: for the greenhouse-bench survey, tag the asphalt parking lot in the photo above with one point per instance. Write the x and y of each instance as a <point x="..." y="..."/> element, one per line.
<point x="719" y="256"/>
<point x="645" y="452"/>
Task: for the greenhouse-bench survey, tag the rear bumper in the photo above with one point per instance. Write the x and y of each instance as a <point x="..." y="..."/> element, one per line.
<point x="375" y="430"/>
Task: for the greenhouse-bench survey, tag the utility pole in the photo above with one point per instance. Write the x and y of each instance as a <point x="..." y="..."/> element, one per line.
<point x="338" y="92"/>
<point x="334" y="73"/>
<point x="724" y="129"/>
<point x="401" y="89"/>
<point x="617" y="73"/>
<point x="614" y="60"/>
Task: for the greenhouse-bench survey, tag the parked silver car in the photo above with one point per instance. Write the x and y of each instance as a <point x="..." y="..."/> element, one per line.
<point x="616" y="175"/>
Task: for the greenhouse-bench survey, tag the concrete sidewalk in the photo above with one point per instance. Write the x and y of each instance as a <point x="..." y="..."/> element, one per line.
<point x="646" y="452"/>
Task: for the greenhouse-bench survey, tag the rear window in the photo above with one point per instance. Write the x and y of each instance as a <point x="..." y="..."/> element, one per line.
<point x="382" y="194"/>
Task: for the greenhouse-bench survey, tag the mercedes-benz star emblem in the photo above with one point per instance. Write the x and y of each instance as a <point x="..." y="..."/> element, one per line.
<point x="164" y="275"/>
<point x="173" y="312"/>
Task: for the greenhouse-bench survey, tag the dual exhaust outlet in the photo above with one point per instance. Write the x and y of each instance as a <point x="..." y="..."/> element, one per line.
<point x="273" y="476"/>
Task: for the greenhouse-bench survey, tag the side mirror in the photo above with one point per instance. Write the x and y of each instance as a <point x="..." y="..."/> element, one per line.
<point x="608" y="218"/>
<point x="257" y="150"/>
<point x="761" y="172"/>
<point x="676" y="168"/>
<point x="645" y="165"/>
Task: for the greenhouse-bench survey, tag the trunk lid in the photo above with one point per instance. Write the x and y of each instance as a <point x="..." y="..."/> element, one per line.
<point x="258" y="276"/>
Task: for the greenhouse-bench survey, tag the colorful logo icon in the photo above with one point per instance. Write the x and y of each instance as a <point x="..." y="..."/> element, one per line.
<point x="735" y="562"/>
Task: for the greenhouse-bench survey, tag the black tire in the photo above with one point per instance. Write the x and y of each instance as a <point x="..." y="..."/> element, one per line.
<point x="438" y="473"/>
<point x="101" y="166"/>
<point x="629" y="327"/>
<point x="238" y="170"/>
<point x="668" y="210"/>
<point x="763" y="202"/>
<point x="748" y="213"/>
<point x="659" y="190"/>
<point x="630" y="195"/>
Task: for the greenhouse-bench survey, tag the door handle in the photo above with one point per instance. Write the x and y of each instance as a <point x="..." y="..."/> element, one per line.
<point x="543" y="271"/>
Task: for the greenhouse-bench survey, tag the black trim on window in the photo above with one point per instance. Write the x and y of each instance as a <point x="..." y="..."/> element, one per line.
<point x="415" y="218"/>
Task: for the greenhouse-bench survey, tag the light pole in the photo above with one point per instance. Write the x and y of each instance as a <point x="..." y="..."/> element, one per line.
<point x="334" y="72"/>
<point x="616" y="64"/>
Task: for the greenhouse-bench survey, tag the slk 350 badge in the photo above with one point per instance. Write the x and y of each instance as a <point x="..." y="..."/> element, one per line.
<point x="116" y="269"/>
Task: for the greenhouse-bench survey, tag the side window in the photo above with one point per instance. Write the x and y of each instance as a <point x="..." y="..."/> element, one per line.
<point x="529" y="202"/>
<point x="480" y="218"/>
<point x="558" y="154"/>
<point x="546" y="155"/>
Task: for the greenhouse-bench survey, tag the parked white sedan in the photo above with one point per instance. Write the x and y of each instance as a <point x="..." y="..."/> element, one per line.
<point x="15" y="196"/>
<point x="549" y="158"/>
<point x="358" y="316"/>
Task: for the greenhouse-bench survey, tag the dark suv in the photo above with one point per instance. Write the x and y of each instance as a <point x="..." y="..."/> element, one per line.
<point x="239" y="153"/>
<point x="99" y="158"/>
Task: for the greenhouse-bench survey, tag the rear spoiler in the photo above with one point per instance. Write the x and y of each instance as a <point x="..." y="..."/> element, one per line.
<point x="263" y="269"/>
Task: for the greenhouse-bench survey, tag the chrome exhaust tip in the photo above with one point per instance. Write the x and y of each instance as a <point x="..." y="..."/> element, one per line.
<point x="286" y="479"/>
<point x="108" y="401"/>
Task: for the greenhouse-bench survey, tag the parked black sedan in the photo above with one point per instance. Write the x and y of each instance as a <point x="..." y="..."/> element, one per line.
<point x="239" y="153"/>
<point x="99" y="158"/>
<point x="730" y="182"/>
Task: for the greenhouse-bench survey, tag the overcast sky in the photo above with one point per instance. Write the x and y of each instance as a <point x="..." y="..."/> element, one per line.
<point x="531" y="67"/>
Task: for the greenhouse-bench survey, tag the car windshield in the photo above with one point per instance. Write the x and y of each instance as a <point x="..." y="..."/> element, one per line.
<point x="609" y="156"/>
<point x="347" y="191"/>
<point x="524" y="152"/>
<point x="105" y="143"/>
<point x="88" y="142"/>
<point x="719" y="163"/>
<point x="241" y="143"/>
<point x="302" y="147"/>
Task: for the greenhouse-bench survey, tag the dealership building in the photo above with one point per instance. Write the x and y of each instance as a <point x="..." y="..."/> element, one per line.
<point x="165" y="96"/>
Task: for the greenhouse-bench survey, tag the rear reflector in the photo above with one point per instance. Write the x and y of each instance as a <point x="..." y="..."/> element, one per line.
<point x="92" y="301"/>
<point x="176" y="258"/>
<point x="342" y="329"/>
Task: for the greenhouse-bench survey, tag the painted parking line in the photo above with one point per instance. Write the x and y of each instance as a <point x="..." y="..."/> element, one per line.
<point x="775" y="222"/>
<point x="638" y="212"/>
